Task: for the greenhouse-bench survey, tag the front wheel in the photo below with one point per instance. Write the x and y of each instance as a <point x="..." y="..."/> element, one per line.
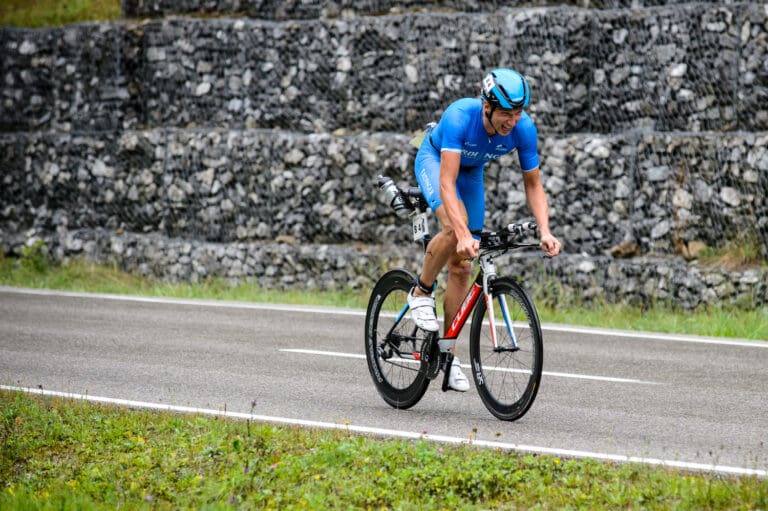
<point x="507" y="375"/>
<point x="400" y="356"/>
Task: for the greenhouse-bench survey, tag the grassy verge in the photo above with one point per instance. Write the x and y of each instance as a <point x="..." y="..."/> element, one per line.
<point x="34" y="271"/>
<point x="70" y="455"/>
<point x="50" y="13"/>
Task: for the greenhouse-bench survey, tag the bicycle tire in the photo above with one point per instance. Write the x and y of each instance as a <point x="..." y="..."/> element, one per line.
<point x="507" y="381"/>
<point x="400" y="380"/>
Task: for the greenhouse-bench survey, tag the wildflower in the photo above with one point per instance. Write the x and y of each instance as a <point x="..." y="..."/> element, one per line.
<point x="148" y="497"/>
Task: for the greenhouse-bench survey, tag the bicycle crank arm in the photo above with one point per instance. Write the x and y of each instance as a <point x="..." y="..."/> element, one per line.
<point x="432" y="357"/>
<point x="446" y="366"/>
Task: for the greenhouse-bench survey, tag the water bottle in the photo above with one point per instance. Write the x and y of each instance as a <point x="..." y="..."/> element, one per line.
<point x="400" y="204"/>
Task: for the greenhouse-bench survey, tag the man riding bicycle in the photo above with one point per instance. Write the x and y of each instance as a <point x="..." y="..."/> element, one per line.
<point x="449" y="169"/>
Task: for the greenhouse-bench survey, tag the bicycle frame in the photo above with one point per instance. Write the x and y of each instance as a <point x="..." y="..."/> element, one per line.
<point x="481" y="287"/>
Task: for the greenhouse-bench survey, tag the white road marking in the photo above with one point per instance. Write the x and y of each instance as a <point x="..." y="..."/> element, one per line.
<point x="653" y="336"/>
<point x="306" y="309"/>
<point x="568" y="453"/>
<point x="467" y="366"/>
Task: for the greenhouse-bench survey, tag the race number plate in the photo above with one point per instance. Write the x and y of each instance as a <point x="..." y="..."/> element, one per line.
<point x="420" y="226"/>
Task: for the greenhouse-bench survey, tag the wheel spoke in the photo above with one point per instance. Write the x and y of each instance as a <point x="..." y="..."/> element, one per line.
<point x="508" y="379"/>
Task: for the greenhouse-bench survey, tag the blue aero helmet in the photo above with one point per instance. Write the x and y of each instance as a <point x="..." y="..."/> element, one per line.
<point x="505" y="88"/>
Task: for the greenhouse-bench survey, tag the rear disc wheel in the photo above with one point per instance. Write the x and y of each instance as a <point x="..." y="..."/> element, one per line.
<point x="398" y="353"/>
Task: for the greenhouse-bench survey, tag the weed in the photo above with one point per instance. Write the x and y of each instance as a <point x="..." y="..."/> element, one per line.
<point x="737" y="254"/>
<point x="34" y="258"/>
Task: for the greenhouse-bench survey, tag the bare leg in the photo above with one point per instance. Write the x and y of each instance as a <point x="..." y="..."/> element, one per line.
<point x="441" y="251"/>
<point x="456" y="288"/>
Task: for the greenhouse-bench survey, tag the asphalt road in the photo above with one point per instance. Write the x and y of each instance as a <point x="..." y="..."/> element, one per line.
<point x="685" y="399"/>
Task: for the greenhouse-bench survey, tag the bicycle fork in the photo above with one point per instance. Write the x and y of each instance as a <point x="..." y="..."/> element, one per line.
<point x="488" y="274"/>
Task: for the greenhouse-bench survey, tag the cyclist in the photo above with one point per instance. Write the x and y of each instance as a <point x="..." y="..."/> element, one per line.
<point x="449" y="169"/>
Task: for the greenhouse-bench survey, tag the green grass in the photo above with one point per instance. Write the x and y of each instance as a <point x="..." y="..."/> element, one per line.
<point x="712" y="321"/>
<point x="50" y="13"/>
<point x="34" y="271"/>
<point x="59" y="454"/>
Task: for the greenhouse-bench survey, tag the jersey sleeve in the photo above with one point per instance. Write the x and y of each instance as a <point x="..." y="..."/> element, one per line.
<point x="527" y="149"/>
<point x="454" y="126"/>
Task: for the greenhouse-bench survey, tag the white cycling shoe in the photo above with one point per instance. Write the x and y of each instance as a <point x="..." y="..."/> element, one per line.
<point x="456" y="379"/>
<point x="423" y="312"/>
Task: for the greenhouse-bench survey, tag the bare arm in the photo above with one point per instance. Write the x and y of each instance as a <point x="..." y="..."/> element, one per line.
<point x="537" y="201"/>
<point x="466" y="245"/>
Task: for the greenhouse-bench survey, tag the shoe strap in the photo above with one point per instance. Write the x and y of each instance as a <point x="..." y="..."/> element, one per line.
<point x="421" y="301"/>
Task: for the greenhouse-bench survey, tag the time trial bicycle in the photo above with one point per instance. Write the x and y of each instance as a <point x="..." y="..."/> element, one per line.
<point x="505" y="340"/>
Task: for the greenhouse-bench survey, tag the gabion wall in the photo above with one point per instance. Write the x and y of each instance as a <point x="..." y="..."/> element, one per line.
<point x="568" y="278"/>
<point x="312" y="9"/>
<point x="661" y="191"/>
<point x="241" y="132"/>
<point x="693" y="67"/>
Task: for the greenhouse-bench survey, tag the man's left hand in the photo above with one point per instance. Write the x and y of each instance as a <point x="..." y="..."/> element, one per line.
<point x="550" y="245"/>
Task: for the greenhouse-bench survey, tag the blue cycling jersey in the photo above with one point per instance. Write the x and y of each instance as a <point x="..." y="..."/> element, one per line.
<point x="461" y="130"/>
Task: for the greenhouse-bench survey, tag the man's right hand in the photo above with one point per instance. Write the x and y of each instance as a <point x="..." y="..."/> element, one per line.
<point x="468" y="247"/>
